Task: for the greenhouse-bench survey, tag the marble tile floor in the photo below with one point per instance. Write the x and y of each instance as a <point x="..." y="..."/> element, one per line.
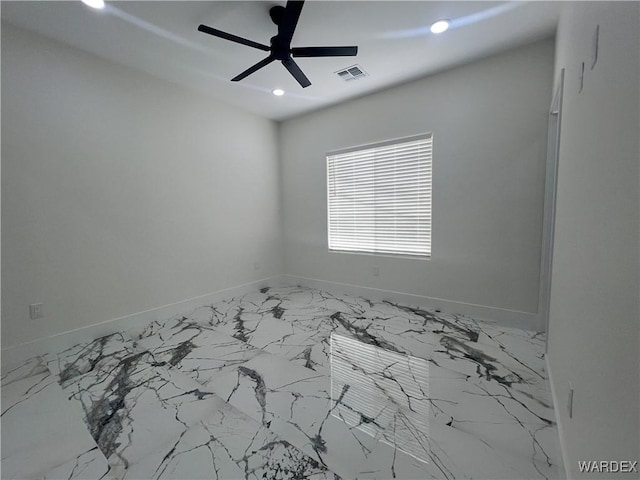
<point x="287" y="382"/>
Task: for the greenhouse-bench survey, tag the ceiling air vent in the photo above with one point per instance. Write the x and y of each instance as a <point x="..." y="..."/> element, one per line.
<point x="354" y="72"/>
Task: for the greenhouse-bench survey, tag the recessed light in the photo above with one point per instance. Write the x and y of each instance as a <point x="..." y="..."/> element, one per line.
<point x="97" y="4"/>
<point x="278" y="92"/>
<point x="440" y="26"/>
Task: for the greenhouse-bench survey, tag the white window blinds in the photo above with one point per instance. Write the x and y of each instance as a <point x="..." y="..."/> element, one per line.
<point x="379" y="197"/>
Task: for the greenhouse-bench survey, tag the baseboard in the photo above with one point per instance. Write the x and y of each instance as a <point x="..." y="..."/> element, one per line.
<point x="556" y="409"/>
<point x="509" y="318"/>
<point x="17" y="354"/>
<point x="14" y="355"/>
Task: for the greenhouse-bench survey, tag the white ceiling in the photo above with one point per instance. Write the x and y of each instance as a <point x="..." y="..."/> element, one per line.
<point x="393" y="37"/>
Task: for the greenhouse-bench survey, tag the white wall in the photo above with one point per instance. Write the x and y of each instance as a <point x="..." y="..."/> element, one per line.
<point x="489" y="124"/>
<point x="594" y="311"/>
<point x="121" y="192"/>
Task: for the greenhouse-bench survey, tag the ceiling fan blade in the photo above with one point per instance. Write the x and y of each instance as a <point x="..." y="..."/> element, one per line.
<point x="294" y="69"/>
<point x="256" y="67"/>
<point x="324" y="51"/>
<point x="287" y="25"/>
<point x="234" y="38"/>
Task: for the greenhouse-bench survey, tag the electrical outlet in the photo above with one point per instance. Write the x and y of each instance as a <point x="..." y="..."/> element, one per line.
<point x="35" y="311"/>
<point x="376" y="271"/>
<point x="570" y="400"/>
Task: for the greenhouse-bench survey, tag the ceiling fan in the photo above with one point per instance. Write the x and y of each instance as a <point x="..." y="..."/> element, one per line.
<point x="286" y="18"/>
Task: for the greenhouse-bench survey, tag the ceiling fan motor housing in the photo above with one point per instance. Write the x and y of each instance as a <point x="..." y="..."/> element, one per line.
<point x="280" y="49"/>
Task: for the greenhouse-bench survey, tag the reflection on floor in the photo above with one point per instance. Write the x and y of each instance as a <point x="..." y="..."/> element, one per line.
<point x="287" y="382"/>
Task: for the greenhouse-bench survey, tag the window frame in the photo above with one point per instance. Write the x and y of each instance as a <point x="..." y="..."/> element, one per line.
<point x="395" y="141"/>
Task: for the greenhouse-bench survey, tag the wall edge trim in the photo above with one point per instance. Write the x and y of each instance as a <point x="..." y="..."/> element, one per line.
<point x="13" y="355"/>
<point x="502" y="316"/>
<point x="556" y="405"/>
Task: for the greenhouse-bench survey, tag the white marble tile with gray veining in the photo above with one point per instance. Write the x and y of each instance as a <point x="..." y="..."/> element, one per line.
<point x="43" y="434"/>
<point x="226" y="444"/>
<point x="89" y="356"/>
<point x="195" y="348"/>
<point x="293" y="382"/>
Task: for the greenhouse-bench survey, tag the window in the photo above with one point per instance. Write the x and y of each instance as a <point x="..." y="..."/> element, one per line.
<point x="379" y="197"/>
